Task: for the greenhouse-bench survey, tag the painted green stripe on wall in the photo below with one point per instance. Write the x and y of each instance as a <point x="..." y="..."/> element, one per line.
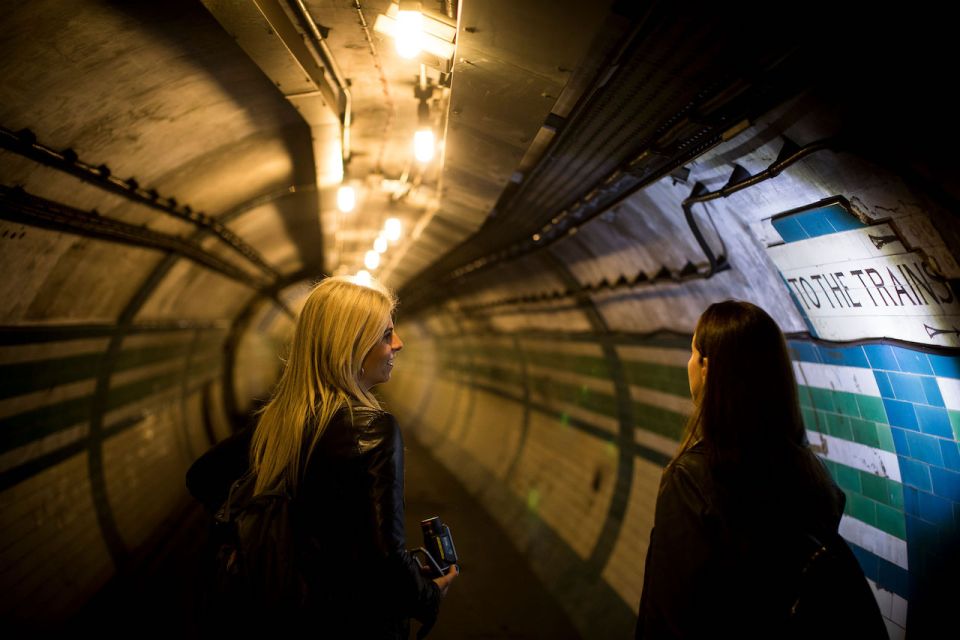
<point x="24" y="377"/>
<point x="861" y="508"/>
<point x="659" y="420"/>
<point x="660" y="377"/>
<point x="891" y="521"/>
<point x="22" y="428"/>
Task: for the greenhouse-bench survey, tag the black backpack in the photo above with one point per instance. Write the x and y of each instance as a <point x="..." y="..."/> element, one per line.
<point x="257" y="563"/>
<point x="833" y="599"/>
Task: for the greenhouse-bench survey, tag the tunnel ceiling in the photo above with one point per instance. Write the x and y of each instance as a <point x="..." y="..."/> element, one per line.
<point x="215" y="131"/>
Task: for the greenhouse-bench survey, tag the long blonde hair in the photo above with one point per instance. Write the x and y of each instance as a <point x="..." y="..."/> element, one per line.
<point x="338" y="325"/>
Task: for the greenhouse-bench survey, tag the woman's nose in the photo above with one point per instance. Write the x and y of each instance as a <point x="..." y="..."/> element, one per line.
<point x="397" y="343"/>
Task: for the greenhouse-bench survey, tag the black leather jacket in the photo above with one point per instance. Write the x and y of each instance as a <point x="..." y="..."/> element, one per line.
<point x="361" y="574"/>
<point x="722" y="565"/>
<point x="362" y="581"/>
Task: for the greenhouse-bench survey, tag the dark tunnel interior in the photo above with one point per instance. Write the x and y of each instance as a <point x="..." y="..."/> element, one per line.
<point x="175" y="177"/>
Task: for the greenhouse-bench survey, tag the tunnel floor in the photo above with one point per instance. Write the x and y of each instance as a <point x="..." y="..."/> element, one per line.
<point x="497" y="595"/>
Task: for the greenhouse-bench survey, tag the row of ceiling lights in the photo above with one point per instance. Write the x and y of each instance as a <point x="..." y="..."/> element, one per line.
<point x="404" y="22"/>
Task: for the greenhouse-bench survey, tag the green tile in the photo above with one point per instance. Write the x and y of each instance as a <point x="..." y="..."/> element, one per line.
<point x="872" y="409"/>
<point x="955" y="422"/>
<point x="891" y="521"/>
<point x="886" y="437"/>
<point x="895" y="492"/>
<point x="822" y="398"/>
<point x="846" y="403"/>
<point x="831" y="467"/>
<point x="804" y="393"/>
<point x="809" y="418"/>
<point x="839" y="426"/>
<point x="848" y="478"/>
<point x="861" y="508"/>
<point x="874" y="487"/>
<point x="865" y="432"/>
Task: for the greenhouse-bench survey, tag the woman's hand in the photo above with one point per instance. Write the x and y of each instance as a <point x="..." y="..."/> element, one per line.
<point x="444" y="581"/>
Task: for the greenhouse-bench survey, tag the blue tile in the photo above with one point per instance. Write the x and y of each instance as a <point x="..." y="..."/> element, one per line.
<point x="841" y="219"/>
<point x="883" y="383"/>
<point x="803" y="351"/>
<point x="815" y="223"/>
<point x="907" y="387"/>
<point x="913" y="361"/>
<point x="932" y="420"/>
<point x="868" y="561"/>
<point x="854" y="357"/>
<point x="789" y="229"/>
<point x="900" y="441"/>
<point x="911" y="500"/>
<point x="893" y="578"/>
<point x="881" y="357"/>
<point x="932" y="390"/>
<point x="946" y="366"/>
<point x="946" y="484"/>
<point x="925" y="448"/>
<point x="920" y="534"/>
<point x="901" y="414"/>
<point x="951" y="454"/>
<point x="915" y="474"/>
<point x="935" y="509"/>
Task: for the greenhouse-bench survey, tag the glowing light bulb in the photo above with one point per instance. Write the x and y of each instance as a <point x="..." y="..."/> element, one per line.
<point x="346" y="198"/>
<point x="380" y="244"/>
<point x="409" y="33"/>
<point x="371" y="260"/>
<point x="363" y="277"/>
<point x="423" y="145"/>
<point x="392" y="228"/>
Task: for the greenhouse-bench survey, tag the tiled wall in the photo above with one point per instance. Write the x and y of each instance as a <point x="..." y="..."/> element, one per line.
<point x="887" y="420"/>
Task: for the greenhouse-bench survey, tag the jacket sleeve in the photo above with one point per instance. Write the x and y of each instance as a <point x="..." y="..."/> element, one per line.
<point x="382" y="448"/>
<point x="677" y="576"/>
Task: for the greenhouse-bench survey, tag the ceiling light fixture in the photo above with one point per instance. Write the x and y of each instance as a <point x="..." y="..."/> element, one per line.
<point x="409" y="30"/>
<point x="393" y="229"/>
<point x="346" y="198"/>
<point x="380" y="244"/>
<point x="423" y="145"/>
<point x="371" y="260"/>
<point x="363" y="278"/>
<point x="435" y="39"/>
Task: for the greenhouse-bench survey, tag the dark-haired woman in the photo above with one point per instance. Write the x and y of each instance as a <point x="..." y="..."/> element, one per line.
<point x="742" y="493"/>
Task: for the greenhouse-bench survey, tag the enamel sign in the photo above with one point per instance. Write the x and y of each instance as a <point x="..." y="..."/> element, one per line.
<point x="854" y="281"/>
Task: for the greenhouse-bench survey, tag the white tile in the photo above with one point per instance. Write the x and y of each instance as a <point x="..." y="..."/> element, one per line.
<point x="838" y="378"/>
<point x="853" y="454"/>
<point x="677" y="404"/>
<point x="656" y="355"/>
<point x="895" y="631"/>
<point x="880" y="543"/>
<point x="950" y="390"/>
<point x="899" y="611"/>
<point x="884" y="599"/>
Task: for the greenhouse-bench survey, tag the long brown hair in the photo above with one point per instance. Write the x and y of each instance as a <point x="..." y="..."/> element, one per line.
<point x="748" y="414"/>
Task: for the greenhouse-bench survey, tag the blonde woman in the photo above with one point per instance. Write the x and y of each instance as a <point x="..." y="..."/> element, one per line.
<point x="324" y="434"/>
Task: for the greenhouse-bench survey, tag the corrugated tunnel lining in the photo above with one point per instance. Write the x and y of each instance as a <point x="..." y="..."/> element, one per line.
<point x="657" y="107"/>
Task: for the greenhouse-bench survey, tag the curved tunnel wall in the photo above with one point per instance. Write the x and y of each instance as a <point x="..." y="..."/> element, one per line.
<point x="552" y="385"/>
<point x="555" y="386"/>
<point x="133" y="241"/>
